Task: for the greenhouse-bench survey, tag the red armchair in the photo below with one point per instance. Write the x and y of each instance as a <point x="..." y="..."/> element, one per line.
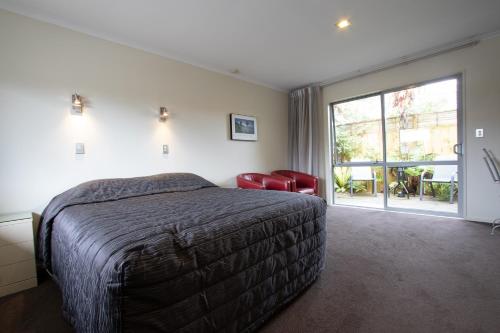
<point x="302" y="182"/>
<point x="259" y="181"/>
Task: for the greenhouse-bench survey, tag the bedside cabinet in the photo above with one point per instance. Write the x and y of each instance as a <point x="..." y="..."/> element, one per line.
<point x="17" y="253"/>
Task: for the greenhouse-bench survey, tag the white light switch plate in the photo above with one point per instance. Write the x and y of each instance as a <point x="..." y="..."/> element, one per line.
<point x="79" y="148"/>
<point x="479" y="133"/>
<point x="165" y="149"/>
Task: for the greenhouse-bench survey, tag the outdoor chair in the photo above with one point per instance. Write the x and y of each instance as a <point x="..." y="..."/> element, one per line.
<point x="442" y="174"/>
<point x="363" y="174"/>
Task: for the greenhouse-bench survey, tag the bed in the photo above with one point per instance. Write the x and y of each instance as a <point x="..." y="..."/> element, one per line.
<point x="175" y="253"/>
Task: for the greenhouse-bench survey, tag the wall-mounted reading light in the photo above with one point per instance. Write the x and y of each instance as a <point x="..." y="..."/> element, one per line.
<point x="77" y="103"/>
<point x="163" y="113"/>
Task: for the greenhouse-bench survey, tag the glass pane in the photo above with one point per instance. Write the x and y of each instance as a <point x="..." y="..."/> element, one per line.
<point x="358" y="130"/>
<point x="421" y="122"/>
<point x="436" y="190"/>
<point x="359" y="186"/>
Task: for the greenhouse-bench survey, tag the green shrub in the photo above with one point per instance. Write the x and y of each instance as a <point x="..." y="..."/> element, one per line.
<point x="413" y="171"/>
<point x="443" y="191"/>
<point x="342" y="176"/>
<point x="345" y="145"/>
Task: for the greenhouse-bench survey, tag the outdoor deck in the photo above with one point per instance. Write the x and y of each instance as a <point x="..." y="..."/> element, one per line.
<point x="367" y="200"/>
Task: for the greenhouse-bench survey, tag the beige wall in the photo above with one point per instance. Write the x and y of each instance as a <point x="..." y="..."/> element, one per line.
<point x="41" y="65"/>
<point x="480" y="66"/>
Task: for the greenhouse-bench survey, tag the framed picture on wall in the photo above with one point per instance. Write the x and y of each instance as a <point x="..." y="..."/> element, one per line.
<point x="243" y="128"/>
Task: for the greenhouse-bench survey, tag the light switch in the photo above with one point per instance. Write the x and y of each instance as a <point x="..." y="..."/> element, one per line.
<point x="79" y="148"/>
<point x="165" y="149"/>
<point x="479" y="133"/>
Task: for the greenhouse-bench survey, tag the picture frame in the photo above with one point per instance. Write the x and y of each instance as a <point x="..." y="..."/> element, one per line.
<point x="243" y="128"/>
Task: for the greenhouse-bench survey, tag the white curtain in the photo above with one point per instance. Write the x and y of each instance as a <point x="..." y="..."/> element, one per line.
<point x="303" y="130"/>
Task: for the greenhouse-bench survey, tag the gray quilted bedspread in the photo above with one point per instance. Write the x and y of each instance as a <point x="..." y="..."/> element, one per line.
<point x="175" y="253"/>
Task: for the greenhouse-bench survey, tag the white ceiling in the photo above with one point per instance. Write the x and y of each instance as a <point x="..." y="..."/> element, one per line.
<point x="278" y="43"/>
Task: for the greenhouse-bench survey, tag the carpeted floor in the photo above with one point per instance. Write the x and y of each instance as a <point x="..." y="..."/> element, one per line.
<point x="386" y="272"/>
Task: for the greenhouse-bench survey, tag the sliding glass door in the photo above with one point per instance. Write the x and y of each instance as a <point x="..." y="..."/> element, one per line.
<point x="359" y="152"/>
<point x="400" y="149"/>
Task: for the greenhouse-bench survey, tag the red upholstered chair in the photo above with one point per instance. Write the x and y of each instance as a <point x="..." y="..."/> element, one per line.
<point x="259" y="181"/>
<point x="303" y="182"/>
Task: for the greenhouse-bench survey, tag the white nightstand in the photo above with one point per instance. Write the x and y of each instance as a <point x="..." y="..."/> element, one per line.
<point x="17" y="253"/>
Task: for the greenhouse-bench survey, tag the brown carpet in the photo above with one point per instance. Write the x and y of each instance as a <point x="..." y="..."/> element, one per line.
<point x="386" y="272"/>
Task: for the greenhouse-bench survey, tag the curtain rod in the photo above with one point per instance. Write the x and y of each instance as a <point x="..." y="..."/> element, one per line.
<point x="458" y="45"/>
<point x="400" y="61"/>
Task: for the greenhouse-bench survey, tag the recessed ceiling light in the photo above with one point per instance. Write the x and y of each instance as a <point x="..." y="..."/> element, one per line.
<point x="343" y="23"/>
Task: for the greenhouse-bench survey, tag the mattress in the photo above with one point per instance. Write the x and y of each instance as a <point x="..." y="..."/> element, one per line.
<point x="175" y="253"/>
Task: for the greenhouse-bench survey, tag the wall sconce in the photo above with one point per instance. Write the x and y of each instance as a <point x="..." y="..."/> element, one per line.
<point x="77" y="103"/>
<point x="163" y="113"/>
